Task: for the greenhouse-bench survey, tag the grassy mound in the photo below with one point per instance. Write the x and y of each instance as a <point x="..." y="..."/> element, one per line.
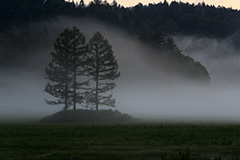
<point x="88" y="116"/>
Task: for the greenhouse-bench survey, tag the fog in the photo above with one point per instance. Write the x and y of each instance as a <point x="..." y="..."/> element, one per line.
<point x="144" y="90"/>
<point x="220" y="57"/>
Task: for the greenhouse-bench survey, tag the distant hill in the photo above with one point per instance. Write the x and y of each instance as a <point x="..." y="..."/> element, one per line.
<point x="88" y="116"/>
<point x="167" y="18"/>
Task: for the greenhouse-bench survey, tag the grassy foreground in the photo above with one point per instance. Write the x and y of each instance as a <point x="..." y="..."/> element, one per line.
<point x="133" y="141"/>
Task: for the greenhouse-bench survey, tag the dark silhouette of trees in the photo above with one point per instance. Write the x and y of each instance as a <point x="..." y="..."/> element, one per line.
<point x="171" y="56"/>
<point x="168" y="18"/>
<point x="82" y="4"/>
<point x="67" y="63"/>
<point x="73" y="62"/>
<point x="103" y="68"/>
<point x="78" y="52"/>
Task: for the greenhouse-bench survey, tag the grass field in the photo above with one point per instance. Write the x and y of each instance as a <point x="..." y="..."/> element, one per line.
<point x="133" y="141"/>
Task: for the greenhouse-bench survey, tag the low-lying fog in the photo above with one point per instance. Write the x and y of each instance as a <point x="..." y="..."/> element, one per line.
<point x="142" y="90"/>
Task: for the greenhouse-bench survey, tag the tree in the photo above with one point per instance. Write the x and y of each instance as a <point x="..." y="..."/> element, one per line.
<point x="66" y="65"/>
<point x="97" y="2"/>
<point x="103" y="68"/>
<point x="114" y="3"/>
<point x="78" y="53"/>
<point x="82" y="4"/>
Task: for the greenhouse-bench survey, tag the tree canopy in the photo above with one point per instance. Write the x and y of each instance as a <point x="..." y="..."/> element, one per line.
<point x="103" y="67"/>
<point x="65" y="68"/>
<point x="168" y="18"/>
<point x="74" y="64"/>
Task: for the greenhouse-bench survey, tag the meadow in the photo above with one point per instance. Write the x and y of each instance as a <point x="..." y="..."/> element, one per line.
<point x="119" y="141"/>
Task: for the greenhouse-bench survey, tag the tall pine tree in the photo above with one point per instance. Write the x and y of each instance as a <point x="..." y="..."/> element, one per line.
<point x="103" y="68"/>
<point x="78" y="53"/>
<point x="65" y="67"/>
<point x="82" y="4"/>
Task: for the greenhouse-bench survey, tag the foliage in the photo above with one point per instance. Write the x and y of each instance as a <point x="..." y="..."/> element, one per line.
<point x="15" y="13"/>
<point x="132" y="141"/>
<point x="67" y="63"/>
<point x="172" y="58"/>
<point x="103" y="67"/>
<point x="184" y="18"/>
<point x="176" y="17"/>
<point x="73" y="62"/>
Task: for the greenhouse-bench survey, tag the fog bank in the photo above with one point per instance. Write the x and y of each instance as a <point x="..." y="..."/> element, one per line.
<point x="144" y="90"/>
<point x="220" y="57"/>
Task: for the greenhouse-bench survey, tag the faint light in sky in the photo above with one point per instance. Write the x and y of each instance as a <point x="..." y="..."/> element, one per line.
<point x="227" y="3"/>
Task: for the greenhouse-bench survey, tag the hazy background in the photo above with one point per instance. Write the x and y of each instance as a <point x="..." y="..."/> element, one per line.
<point x="143" y="90"/>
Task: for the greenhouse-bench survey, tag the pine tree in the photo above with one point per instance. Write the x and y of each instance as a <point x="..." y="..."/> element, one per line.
<point x="78" y="53"/>
<point x="65" y="67"/>
<point x="114" y="3"/>
<point x="103" y="68"/>
<point x="82" y="4"/>
<point x="97" y="2"/>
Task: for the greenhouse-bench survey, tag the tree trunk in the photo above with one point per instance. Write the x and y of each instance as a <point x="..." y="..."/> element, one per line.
<point x="75" y="79"/>
<point x="66" y="96"/>
<point x="97" y="75"/>
<point x="66" y="86"/>
<point x="74" y="89"/>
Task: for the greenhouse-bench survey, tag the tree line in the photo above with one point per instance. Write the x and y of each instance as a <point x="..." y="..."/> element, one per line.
<point x="168" y="18"/>
<point x="81" y="72"/>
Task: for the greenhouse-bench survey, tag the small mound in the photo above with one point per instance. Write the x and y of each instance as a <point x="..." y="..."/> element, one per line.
<point x="88" y="116"/>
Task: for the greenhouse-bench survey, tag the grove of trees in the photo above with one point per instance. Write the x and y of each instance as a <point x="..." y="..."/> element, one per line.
<point x="168" y="18"/>
<point x="81" y="73"/>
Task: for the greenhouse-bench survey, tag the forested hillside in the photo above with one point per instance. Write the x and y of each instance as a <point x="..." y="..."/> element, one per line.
<point x="168" y="18"/>
<point x="152" y="24"/>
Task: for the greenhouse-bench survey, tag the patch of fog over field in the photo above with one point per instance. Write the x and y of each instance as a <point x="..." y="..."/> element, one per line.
<point x="143" y="90"/>
<point x="220" y="57"/>
<point x="220" y="100"/>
